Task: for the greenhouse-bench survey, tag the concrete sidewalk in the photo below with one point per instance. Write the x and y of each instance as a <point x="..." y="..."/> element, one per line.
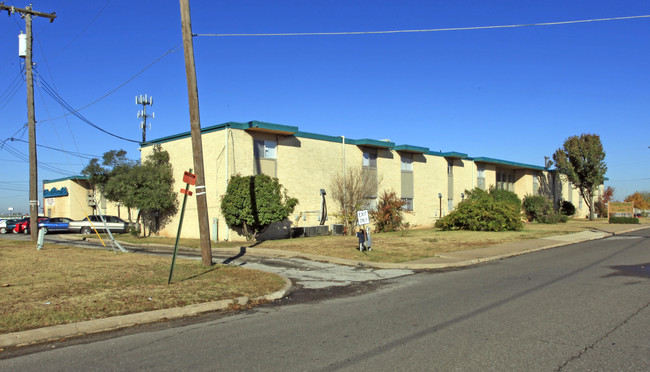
<point x="451" y="259"/>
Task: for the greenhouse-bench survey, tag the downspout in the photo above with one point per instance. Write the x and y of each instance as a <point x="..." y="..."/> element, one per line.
<point x="344" y="186"/>
<point x="226" y="188"/>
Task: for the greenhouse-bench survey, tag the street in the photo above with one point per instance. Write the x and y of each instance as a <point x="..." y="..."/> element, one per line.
<point x="579" y="307"/>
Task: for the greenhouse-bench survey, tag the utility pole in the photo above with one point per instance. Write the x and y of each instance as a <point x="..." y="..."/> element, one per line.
<point x="197" y="144"/>
<point x="144" y="101"/>
<point x="27" y="13"/>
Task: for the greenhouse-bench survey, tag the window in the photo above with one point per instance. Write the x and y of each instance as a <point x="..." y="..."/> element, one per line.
<point x="407" y="163"/>
<point x="265" y="149"/>
<point x="370" y="159"/>
<point x="480" y="177"/>
<point x="408" y="204"/>
<point x="450" y="168"/>
<point x="371" y="204"/>
<point x="535" y="183"/>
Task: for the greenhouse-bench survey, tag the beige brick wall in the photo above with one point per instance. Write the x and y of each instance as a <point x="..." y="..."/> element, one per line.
<point x="305" y="165"/>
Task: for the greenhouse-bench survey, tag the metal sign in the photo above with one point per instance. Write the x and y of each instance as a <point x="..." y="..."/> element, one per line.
<point x="363" y="218"/>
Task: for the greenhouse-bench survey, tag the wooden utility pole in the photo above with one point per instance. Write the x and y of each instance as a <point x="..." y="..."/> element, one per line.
<point x="27" y="13"/>
<point x="197" y="144"/>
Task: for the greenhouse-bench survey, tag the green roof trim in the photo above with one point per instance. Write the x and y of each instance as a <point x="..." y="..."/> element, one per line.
<point x="231" y="124"/>
<point x="286" y="129"/>
<point x="371" y="143"/>
<point x="409" y="148"/>
<point x="67" y="179"/>
<point x="508" y="163"/>
<point x="450" y="154"/>
<point x="320" y="137"/>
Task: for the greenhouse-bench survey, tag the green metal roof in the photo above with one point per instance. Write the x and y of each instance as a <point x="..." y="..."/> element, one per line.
<point x="371" y="143"/>
<point x="409" y="148"/>
<point x="451" y="154"/>
<point x="67" y="178"/>
<point x="508" y="163"/>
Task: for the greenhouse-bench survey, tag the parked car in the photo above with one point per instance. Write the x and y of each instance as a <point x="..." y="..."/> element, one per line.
<point x="58" y="224"/>
<point x="24" y="226"/>
<point x="7" y="226"/>
<point x="20" y="225"/>
<point x="85" y="226"/>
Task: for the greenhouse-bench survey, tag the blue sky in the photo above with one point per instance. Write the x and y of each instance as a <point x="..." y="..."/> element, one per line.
<point x="509" y="93"/>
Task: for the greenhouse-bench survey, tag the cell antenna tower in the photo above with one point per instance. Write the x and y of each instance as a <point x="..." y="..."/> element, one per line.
<point x="144" y="101"/>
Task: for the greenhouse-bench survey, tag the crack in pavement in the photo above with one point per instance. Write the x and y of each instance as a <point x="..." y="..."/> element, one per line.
<point x="606" y="335"/>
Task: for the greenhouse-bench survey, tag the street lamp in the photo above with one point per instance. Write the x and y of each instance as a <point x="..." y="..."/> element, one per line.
<point x="440" y="198"/>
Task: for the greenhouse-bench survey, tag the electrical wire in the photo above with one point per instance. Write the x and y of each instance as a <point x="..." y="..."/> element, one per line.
<point x="12" y="90"/>
<point x="85" y="156"/>
<point x="40" y="81"/>
<point x="433" y="29"/>
<point x="172" y="50"/>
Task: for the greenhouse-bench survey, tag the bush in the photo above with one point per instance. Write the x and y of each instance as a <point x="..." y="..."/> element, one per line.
<point x="389" y="215"/>
<point x="481" y="212"/>
<point x="567" y="208"/>
<point x="553" y="217"/>
<point x="253" y="203"/>
<point x="506" y="196"/>
<point x="536" y="206"/>
<point x="623" y="220"/>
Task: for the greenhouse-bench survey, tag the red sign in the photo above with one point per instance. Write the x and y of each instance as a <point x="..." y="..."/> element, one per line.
<point x="189" y="178"/>
<point x="188" y="192"/>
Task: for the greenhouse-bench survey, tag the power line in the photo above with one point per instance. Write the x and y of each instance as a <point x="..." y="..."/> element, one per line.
<point x="172" y="50"/>
<point x="434" y="29"/>
<point x="52" y="93"/>
<point x="86" y="156"/>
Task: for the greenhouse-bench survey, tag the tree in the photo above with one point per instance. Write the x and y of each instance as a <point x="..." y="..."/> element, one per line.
<point x="151" y="190"/>
<point x="608" y="194"/>
<point x="639" y="201"/>
<point x="350" y="191"/>
<point x="112" y="176"/>
<point x="582" y="161"/>
<point x="252" y="203"/>
<point x="389" y="215"/>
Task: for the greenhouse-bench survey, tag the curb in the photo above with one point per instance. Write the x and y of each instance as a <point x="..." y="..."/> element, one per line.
<point x="39" y="335"/>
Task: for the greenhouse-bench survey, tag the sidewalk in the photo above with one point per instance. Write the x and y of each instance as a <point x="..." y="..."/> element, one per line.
<point x="451" y="259"/>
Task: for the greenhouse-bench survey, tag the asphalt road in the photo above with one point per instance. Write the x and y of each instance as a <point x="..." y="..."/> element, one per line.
<point x="574" y="308"/>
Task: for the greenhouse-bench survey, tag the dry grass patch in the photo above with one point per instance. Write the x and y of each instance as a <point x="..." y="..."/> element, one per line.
<point x="397" y="246"/>
<point x="60" y="285"/>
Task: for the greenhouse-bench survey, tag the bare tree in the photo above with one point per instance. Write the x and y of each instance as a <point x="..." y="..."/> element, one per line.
<point x="351" y="191"/>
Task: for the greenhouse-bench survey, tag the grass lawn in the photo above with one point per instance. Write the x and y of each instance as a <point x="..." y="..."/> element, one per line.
<point x="59" y="284"/>
<point x="414" y="244"/>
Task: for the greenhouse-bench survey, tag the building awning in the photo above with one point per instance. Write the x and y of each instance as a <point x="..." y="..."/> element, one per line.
<point x="262" y="127"/>
<point x="411" y="149"/>
<point x="508" y="164"/>
<point x="367" y="142"/>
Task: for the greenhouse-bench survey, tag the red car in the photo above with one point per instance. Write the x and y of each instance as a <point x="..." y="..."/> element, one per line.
<point x="23" y="225"/>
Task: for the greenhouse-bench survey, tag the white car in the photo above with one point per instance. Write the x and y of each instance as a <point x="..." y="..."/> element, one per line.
<point x="85" y="226"/>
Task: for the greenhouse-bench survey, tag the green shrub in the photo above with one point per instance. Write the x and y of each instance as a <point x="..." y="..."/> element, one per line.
<point x="506" y="196"/>
<point x="552" y="218"/>
<point x="536" y="206"/>
<point x="481" y="212"/>
<point x="623" y="220"/>
<point x="567" y="208"/>
<point x="252" y="203"/>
